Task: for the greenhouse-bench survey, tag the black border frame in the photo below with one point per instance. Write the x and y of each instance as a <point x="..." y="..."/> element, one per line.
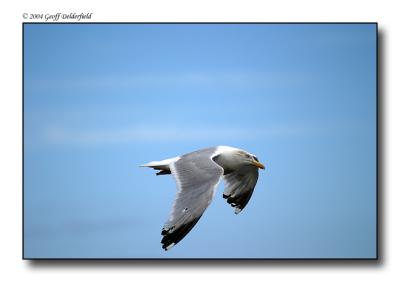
<point x="378" y="156"/>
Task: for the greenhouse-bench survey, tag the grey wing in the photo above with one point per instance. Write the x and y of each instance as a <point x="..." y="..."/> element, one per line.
<point x="239" y="186"/>
<point x="197" y="177"/>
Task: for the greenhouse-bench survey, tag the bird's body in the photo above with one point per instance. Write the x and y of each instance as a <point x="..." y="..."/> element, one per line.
<point x="197" y="175"/>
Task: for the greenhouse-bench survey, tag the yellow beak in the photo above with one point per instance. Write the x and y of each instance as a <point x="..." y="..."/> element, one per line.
<point x="258" y="164"/>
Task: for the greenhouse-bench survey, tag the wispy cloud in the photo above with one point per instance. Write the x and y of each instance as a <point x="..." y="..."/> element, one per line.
<point x="81" y="226"/>
<point x="193" y="78"/>
<point x="156" y="133"/>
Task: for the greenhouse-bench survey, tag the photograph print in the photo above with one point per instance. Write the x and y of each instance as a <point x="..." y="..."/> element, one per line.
<point x="200" y="141"/>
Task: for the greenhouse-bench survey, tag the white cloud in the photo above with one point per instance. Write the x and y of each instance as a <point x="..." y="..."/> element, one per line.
<point x="156" y="133"/>
<point x="194" y="78"/>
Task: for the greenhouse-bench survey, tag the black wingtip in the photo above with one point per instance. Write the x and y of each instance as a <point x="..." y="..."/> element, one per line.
<point x="238" y="202"/>
<point x="174" y="235"/>
<point x="166" y="248"/>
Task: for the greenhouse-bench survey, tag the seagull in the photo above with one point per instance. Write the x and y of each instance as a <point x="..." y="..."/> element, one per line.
<point x="197" y="175"/>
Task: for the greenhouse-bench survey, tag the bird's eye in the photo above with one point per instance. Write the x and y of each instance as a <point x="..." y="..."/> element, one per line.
<point x="255" y="158"/>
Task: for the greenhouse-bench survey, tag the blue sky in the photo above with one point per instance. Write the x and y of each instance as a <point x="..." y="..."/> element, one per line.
<point x="101" y="99"/>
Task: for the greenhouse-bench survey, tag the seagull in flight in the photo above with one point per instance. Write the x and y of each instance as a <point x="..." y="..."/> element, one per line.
<point x="197" y="175"/>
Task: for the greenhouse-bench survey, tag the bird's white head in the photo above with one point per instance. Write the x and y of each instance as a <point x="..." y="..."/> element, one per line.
<point x="232" y="158"/>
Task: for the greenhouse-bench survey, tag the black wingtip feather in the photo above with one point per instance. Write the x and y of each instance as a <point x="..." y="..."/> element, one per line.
<point x="240" y="202"/>
<point x="177" y="234"/>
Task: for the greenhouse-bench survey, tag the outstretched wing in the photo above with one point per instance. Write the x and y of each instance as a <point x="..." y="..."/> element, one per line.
<point x="197" y="177"/>
<point x="239" y="186"/>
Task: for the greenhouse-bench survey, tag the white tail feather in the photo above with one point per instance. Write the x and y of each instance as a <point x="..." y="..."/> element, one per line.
<point x="163" y="163"/>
